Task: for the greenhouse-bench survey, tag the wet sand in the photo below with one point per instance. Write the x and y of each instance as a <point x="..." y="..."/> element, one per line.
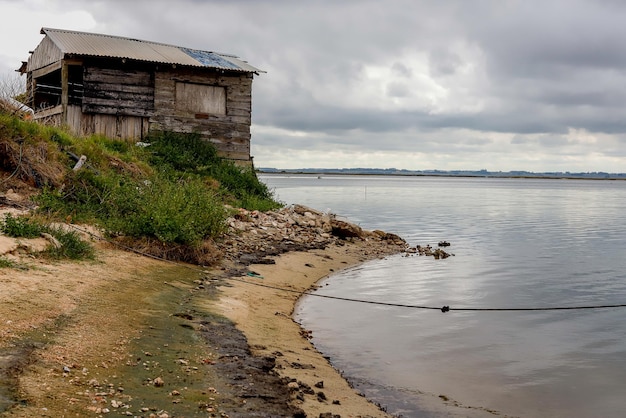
<point x="265" y="317"/>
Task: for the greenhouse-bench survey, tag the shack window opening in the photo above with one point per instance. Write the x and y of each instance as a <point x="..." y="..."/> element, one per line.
<point x="48" y="88"/>
<point x="200" y="99"/>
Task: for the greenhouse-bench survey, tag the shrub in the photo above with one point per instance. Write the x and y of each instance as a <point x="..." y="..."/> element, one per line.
<point x="21" y="227"/>
<point x="175" y="212"/>
<point x="72" y="246"/>
<point x="189" y="154"/>
<point x="6" y="263"/>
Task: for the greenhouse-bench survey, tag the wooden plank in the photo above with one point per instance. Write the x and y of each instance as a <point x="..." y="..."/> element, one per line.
<point x="143" y="100"/>
<point x="244" y="113"/>
<point x="112" y="76"/>
<point x="115" y="87"/>
<point x="56" y="110"/>
<point x="64" y="91"/>
<point x="108" y="110"/>
<point x="117" y="102"/>
<point x="46" y="70"/>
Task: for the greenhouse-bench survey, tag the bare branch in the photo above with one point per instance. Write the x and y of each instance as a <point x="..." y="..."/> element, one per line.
<point x="12" y="86"/>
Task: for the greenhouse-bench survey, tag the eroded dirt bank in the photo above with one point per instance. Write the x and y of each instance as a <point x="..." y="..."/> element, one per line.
<point x="128" y="335"/>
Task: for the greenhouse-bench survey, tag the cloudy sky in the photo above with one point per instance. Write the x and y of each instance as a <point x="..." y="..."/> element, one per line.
<point x="537" y="85"/>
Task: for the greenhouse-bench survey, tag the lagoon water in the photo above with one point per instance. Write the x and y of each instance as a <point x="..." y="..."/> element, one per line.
<point x="518" y="243"/>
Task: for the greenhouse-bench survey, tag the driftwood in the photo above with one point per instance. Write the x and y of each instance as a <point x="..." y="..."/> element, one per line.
<point x="80" y="163"/>
<point x="53" y="241"/>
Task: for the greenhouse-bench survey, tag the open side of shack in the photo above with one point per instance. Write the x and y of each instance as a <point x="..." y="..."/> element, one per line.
<point x="125" y="88"/>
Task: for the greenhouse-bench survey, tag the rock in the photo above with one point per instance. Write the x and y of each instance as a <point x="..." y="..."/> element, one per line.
<point x="11" y="195"/>
<point x="302" y="210"/>
<point x="255" y="237"/>
<point x="344" y="229"/>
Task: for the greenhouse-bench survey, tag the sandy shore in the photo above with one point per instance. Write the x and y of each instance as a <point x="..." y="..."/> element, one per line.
<point x="265" y="317"/>
<point x="129" y="335"/>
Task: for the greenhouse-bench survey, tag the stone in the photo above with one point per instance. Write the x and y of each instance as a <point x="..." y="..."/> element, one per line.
<point x="301" y="210"/>
<point x="344" y="229"/>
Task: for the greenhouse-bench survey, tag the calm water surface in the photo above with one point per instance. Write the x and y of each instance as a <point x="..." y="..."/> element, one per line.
<point x="518" y="243"/>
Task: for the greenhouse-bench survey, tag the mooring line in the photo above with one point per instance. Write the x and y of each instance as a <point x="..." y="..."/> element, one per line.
<point x="444" y="309"/>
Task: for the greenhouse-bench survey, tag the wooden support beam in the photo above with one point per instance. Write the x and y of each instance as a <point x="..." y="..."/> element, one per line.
<point x="64" y="91"/>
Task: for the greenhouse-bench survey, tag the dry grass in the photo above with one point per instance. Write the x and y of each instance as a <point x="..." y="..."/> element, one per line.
<point x="206" y="254"/>
<point x="32" y="162"/>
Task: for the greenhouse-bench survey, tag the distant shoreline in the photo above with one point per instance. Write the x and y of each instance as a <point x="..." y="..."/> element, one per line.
<point x="544" y="176"/>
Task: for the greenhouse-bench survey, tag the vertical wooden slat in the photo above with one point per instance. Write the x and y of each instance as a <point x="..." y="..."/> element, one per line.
<point x="64" y="91"/>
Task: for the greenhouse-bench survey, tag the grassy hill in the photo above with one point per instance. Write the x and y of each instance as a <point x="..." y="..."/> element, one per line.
<point x="170" y="194"/>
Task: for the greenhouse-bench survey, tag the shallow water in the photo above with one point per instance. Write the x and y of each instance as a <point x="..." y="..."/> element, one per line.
<point x="518" y="243"/>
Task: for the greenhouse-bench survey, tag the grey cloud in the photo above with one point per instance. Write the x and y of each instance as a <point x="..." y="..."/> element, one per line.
<point x="444" y="62"/>
<point x="398" y="89"/>
<point x="532" y="68"/>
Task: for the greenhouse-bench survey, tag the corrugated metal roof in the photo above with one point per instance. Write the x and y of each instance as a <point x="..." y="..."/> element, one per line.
<point x="98" y="45"/>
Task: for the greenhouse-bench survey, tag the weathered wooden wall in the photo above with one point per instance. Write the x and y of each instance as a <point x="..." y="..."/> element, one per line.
<point x="112" y="126"/>
<point x="45" y="54"/>
<point x="85" y="124"/>
<point x="229" y="132"/>
<point x="118" y="91"/>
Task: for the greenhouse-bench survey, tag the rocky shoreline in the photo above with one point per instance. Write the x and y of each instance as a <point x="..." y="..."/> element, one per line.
<point x="253" y="236"/>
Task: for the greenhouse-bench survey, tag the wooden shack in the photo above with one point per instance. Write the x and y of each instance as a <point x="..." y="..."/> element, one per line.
<point x="125" y="88"/>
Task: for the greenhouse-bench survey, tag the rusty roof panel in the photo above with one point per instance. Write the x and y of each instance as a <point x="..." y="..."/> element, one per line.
<point x="97" y="45"/>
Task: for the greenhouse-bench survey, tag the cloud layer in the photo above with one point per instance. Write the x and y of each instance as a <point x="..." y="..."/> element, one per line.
<point x="495" y="84"/>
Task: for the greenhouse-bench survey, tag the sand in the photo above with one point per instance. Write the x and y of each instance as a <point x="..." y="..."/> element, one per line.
<point x="265" y="317"/>
<point x="90" y="338"/>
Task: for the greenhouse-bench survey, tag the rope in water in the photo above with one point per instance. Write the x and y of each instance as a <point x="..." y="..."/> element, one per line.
<point x="443" y="309"/>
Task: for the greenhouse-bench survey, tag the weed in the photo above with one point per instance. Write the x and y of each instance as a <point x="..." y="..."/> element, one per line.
<point x="6" y="263"/>
<point x="180" y="212"/>
<point x="72" y="246"/>
<point x="10" y="264"/>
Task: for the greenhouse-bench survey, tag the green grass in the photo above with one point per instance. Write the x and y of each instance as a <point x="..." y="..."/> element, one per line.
<point x="72" y="246"/>
<point x="190" y="155"/>
<point x="21" y="227"/>
<point x="6" y="263"/>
